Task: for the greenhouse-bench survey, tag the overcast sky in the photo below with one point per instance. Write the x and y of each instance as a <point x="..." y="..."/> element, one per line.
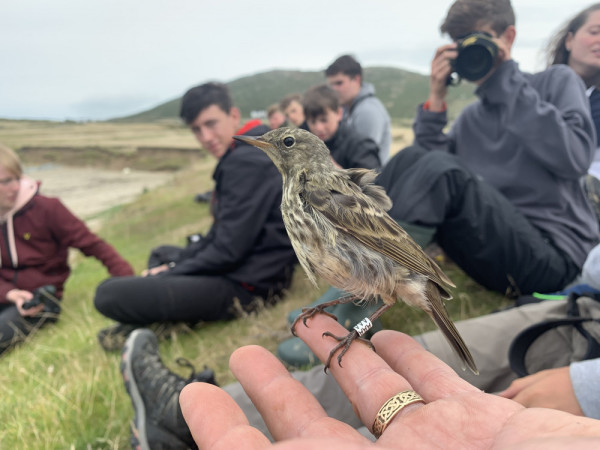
<point x="97" y="59"/>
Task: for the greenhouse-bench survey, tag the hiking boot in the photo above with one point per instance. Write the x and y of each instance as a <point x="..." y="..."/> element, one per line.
<point x="154" y="391"/>
<point x="113" y="338"/>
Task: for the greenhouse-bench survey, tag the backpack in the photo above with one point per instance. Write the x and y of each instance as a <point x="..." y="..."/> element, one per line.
<point x="580" y="329"/>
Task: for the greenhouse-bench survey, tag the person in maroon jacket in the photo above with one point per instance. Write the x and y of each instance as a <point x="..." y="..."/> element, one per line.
<point x="36" y="233"/>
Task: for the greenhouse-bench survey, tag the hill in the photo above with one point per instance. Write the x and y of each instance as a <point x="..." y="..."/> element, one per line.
<point x="400" y="90"/>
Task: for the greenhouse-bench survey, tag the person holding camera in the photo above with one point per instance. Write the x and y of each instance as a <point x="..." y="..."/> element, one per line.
<point x="502" y="188"/>
<point x="37" y="232"/>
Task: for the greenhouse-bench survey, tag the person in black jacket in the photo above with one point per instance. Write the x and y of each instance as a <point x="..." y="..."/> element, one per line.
<point x="246" y="253"/>
<point x="348" y="148"/>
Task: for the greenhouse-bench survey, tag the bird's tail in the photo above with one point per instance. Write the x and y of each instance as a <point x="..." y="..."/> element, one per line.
<point x="440" y="316"/>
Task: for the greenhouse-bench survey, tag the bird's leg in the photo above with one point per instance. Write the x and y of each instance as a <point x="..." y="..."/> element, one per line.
<point x="359" y="330"/>
<point x="307" y="313"/>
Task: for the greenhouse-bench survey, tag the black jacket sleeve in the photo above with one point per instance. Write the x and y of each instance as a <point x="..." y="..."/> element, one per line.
<point x="364" y="154"/>
<point x="247" y="185"/>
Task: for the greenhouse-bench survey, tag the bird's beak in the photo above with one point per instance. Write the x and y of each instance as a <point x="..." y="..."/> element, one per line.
<point x="257" y="142"/>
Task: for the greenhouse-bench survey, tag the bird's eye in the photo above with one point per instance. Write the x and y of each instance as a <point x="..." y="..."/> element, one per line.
<point x="288" y="141"/>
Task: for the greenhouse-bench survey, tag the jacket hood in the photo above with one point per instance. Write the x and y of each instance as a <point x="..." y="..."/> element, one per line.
<point x="366" y="90"/>
<point x="27" y="189"/>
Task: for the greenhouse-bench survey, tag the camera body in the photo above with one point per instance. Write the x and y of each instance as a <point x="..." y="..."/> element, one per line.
<point x="477" y="53"/>
<point x="45" y="295"/>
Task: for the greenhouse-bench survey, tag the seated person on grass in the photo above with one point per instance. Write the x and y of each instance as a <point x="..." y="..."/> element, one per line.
<point x="502" y="188"/>
<point x="245" y="255"/>
<point x="575" y="45"/>
<point x="348" y="148"/>
<point x="362" y="109"/>
<point x="37" y="232"/>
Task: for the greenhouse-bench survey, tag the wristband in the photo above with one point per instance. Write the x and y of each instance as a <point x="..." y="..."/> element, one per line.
<point x="427" y="104"/>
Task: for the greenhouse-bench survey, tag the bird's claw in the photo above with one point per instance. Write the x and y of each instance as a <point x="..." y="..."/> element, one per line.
<point x="344" y="344"/>
<point x="308" y="313"/>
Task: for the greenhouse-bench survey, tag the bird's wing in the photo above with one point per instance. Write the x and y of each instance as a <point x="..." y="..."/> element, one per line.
<point x="352" y="212"/>
<point x="364" y="179"/>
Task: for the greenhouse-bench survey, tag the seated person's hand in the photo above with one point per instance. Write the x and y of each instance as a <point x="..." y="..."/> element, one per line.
<point x="155" y="270"/>
<point x="546" y="389"/>
<point x="454" y="413"/>
<point x="441" y="67"/>
<point x="18" y="297"/>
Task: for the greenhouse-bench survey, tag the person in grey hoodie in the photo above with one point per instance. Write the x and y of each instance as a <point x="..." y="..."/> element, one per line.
<point x="362" y="110"/>
<point x="502" y="188"/>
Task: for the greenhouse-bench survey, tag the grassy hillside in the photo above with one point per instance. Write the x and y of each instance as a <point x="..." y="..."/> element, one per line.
<point x="400" y="90"/>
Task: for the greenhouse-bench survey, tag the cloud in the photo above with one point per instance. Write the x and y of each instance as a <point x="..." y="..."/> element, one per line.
<point x="107" y="58"/>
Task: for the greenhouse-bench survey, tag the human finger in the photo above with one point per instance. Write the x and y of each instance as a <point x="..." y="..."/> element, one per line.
<point x="516" y="386"/>
<point x="31" y="312"/>
<point x="366" y="379"/>
<point x="445" y="50"/>
<point x="428" y="375"/>
<point x="216" y="421"/>
<point x="287" y="407"/>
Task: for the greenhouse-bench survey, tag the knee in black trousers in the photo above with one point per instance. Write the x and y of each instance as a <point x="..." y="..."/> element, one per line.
<point x="477" y="226"/>
<point x="424" y="186"/>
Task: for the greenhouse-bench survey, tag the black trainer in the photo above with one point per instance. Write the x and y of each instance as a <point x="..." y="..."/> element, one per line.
<point x="154" y="391"/>
<point x="204" y="197"/>
<point x="113" y="338"/>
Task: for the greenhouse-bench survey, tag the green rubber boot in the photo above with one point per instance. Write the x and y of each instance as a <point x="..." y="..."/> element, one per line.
<point x="296" y="353"/>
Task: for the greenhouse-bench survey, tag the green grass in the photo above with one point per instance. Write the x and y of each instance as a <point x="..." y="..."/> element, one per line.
<point x="60" y="390"/>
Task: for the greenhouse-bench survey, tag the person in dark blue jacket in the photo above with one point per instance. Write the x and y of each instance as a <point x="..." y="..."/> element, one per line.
<point x="349" y="148"/>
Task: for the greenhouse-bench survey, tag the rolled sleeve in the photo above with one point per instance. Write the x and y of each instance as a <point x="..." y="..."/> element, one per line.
<point x="584" y="378"/>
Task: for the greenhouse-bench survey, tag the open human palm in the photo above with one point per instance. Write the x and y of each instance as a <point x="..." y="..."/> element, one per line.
<point x="455" y="413"/>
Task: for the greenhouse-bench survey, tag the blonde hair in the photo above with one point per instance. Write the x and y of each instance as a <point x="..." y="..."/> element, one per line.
<point x="10" y="161"/>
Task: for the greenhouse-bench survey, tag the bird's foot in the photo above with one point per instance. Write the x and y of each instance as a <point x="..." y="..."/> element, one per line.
<point x="344" y="344"/>
<point x="308" y="313"/>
